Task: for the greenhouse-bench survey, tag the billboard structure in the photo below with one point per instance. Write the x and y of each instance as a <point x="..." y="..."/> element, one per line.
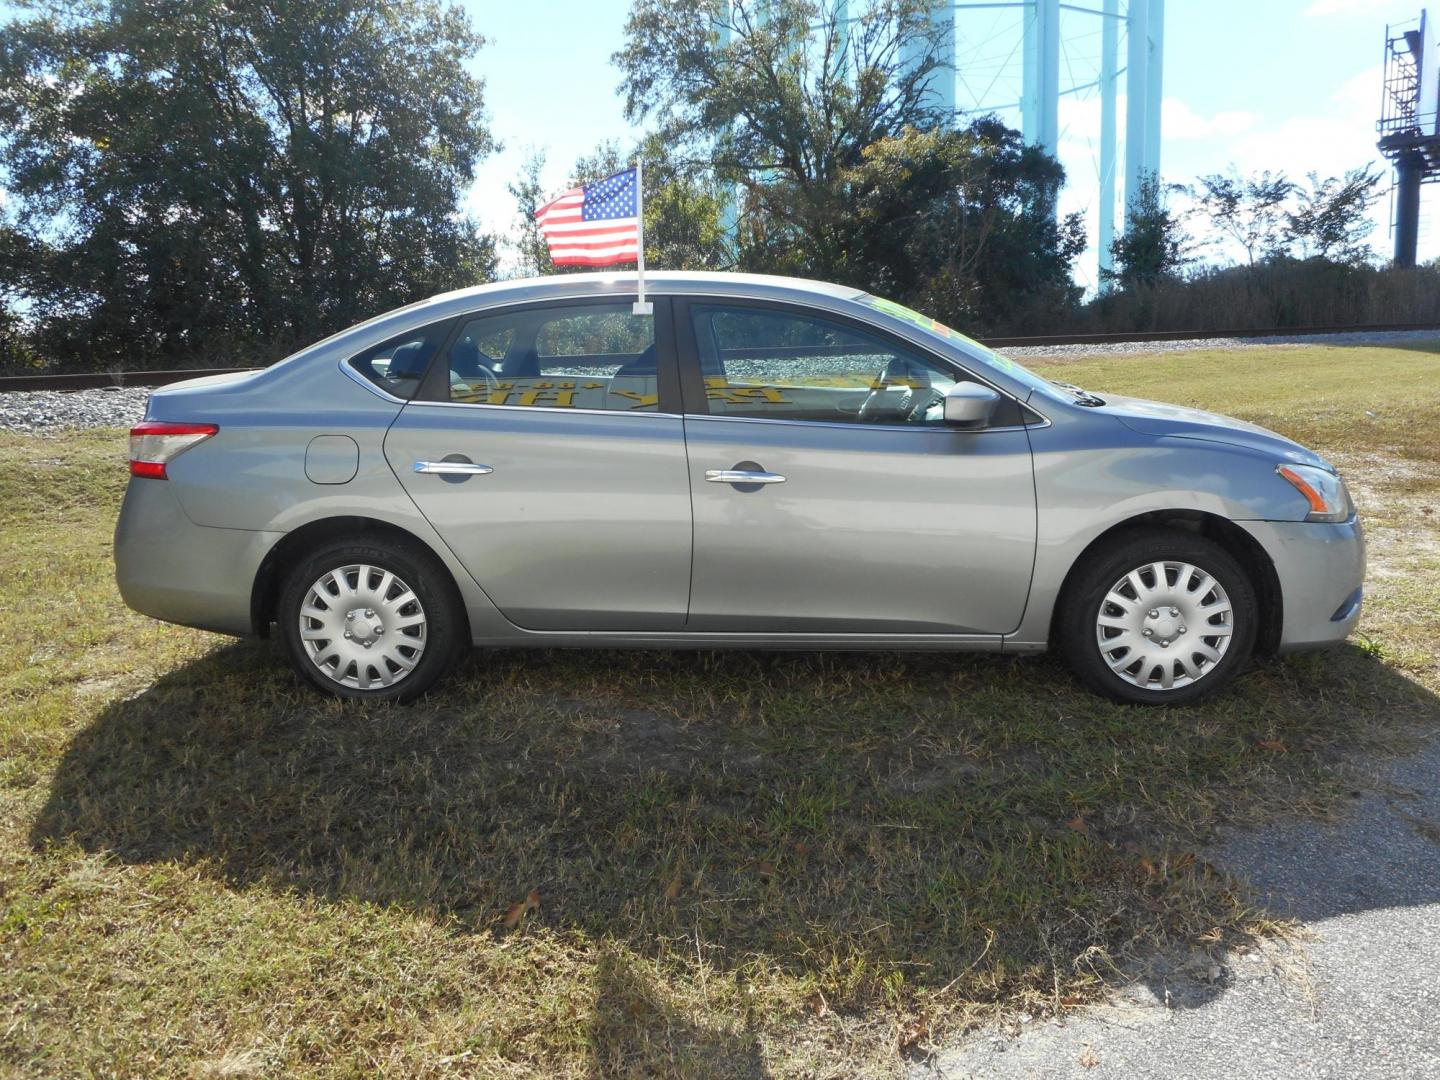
<point x="1410" y="123"/>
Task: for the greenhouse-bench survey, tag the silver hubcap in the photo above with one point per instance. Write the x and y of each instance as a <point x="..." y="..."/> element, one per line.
<point x="363" y="627"/>
<point x="1164" y="625"/>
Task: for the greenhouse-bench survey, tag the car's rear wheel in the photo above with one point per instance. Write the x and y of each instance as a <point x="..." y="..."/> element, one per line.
<point x="1161" y="618"/>
<point x="372" y="620"/>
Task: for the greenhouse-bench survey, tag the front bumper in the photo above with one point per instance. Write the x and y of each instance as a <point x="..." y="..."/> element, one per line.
<point x="1321" y="568"/>
<point x="169" y="568"/>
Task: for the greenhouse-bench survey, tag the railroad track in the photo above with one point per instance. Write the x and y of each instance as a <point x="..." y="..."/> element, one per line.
<point x="101" y="380"/>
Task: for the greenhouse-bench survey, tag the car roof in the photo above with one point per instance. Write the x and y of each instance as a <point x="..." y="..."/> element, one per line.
<point x="657" y="281"/>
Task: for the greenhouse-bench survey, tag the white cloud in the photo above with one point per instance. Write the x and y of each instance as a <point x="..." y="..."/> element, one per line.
<point x="1080" y="121"/>
<point x="1338" y="137"/>
<point x="1182" y="122"/>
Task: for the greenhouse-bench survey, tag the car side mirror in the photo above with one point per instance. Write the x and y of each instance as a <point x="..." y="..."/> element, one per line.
<point x="970" y="405"/>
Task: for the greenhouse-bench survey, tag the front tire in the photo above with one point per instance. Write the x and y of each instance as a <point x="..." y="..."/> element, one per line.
<point x="373" y="620"/>
<point x="1161" y="618"/>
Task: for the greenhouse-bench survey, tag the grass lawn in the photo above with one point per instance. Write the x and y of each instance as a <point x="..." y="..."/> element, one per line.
<point x="646" y="864"/>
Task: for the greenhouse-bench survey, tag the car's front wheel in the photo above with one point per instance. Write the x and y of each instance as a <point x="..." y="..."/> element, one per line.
<point x="372" y="620"/>
<point x="1161" y="618"/>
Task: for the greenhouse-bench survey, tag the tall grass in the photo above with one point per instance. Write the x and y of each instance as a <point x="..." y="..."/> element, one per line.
<point x="1277" y="294"/>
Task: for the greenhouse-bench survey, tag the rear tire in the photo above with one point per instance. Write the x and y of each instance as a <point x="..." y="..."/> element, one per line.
<point x="371" y="620"/>
<point x="1160" y="617"/>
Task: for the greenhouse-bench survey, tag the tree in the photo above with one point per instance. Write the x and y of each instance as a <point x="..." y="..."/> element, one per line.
<point x="1250" y="210"/>
<point x="1153" y="245"/>
<point x="781" y="97"/>
<point x="528" y="190"/>
<point x="208" y="176"/>
<point x="960" y="224"/>
<point x="1331" y="220"/>
<point x="684" y="209"/>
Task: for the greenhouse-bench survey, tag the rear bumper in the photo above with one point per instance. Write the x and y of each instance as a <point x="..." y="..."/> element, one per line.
<point x="1321" y="568"/>
<point x="169" y="568"/>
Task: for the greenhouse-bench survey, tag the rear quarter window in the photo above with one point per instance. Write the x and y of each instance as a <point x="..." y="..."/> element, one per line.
<point x="398" y="366"/>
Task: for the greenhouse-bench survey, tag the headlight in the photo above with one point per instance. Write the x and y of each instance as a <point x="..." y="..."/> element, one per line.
<point x="1323" y="490"/>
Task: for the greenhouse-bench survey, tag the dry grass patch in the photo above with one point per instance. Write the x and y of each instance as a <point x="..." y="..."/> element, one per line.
<point x="744" y="863"/>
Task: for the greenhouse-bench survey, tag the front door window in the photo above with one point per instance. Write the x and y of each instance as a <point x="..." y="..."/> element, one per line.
<point x="781" y="364"/>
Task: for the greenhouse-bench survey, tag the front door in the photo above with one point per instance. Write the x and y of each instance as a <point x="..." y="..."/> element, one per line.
<point x="544" y="459"/>
<point x="830" y="496"/>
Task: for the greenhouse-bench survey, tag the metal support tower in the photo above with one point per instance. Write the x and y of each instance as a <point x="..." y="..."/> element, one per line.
<point x="1109" y="84"/>
<point x="1145" y="26"/>
<point x="1040" y="106"/>
<point x="1410" y="125"/>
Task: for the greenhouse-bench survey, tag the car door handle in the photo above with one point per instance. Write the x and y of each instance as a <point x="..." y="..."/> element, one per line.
<point x="742" y="476"/>
<point x="453" y="468"/>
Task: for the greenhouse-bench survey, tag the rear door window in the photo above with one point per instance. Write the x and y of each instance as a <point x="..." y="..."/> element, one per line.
<point x="591" y="356"/>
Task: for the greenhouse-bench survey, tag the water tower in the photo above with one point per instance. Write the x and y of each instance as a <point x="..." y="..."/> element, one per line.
<point x="1037" y="63"/>
<point x="1037" y="60"/>
<point x="1410" y="123"/>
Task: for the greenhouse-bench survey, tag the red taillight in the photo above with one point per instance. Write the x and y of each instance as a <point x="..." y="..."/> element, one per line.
<point x="155" y="443"/>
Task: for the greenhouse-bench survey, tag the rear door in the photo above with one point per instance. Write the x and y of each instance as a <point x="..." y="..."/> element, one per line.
<point x="547" y="450"/>
<point x="830" y="496"/>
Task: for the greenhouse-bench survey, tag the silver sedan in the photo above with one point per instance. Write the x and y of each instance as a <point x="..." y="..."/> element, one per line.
<point x="752" y="462"/>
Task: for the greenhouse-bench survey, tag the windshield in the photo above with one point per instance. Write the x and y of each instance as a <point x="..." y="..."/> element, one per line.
<point x="938" y="329"/>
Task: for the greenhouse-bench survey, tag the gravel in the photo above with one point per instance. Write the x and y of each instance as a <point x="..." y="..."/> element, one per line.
<point x="44" y="410"/>
<point x="1124" y="348"/>
<point x="1354" y="996"/>
<point x="47" y="410"/>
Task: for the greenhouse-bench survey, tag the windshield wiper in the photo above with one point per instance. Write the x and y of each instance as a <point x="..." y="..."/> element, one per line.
<point x="1082" y="397"/>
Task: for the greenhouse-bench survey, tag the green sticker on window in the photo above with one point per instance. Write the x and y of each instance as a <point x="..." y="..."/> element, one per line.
<point x="935" y="326"/>
<point x="900" y="311"/>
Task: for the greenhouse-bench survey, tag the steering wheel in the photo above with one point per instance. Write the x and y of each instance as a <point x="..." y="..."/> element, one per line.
<point x="871" y="411"/>
<point x="912" y="405"/>
<point x="925" y="400"/>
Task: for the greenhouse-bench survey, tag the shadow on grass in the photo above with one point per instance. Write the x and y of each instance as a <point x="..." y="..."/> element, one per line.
<point x="871" y="827"/>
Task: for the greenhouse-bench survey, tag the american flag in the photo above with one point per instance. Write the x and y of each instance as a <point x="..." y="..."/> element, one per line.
<point x="594" y="225"/>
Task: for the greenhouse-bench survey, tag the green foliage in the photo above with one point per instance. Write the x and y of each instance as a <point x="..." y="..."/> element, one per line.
<point x="684" y="209"/>
<point x="528" y="191"/>
<point x="1272" y="217"/>
<point x="208" y="177"/>
<point x="960" y="224"/>
<point x="1153" y="245"/>
<point x="1248" y="209"/>
<point x="780" y="97"/>
<point x="1331" y="220"/>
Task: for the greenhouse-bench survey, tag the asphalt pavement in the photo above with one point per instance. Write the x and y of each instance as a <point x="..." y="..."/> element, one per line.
<point x="1357" y="996"/>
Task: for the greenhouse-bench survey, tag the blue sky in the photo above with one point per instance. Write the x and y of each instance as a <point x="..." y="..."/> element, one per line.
<point x="1280" y="84"/>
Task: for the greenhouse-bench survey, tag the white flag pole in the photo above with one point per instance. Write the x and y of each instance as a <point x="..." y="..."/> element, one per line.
<point x="641" y="307"/>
